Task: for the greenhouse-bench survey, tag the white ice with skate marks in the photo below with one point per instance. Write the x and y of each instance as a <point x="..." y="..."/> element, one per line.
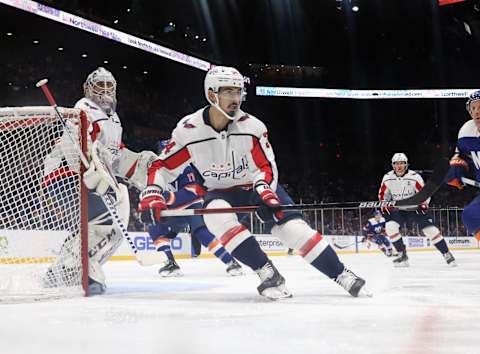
<point x="428" y="308"/>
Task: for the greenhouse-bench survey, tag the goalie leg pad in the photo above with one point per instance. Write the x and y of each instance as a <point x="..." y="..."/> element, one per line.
<point x="226" y="226"/>
<point x="103" y="241"/>
<point x="123" y="206"/>
<point x="98" y="213"/>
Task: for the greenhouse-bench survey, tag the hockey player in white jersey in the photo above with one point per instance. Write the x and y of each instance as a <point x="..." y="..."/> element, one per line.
<point x="105" y="135"/>
<point x="230" y="152"/>
<point x="402" y="183"/>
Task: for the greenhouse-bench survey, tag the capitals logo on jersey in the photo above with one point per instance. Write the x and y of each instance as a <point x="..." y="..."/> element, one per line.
<point x="234" y="170"/>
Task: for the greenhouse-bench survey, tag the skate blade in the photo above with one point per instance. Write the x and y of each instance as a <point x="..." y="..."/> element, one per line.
<point x="174" y="274"/>
<point x="364" y="292"/>
<point x="401" y="265"/>
<point x="453" y="264"/>
<point x="276" y="293"/>
<point x="235" y="273"/>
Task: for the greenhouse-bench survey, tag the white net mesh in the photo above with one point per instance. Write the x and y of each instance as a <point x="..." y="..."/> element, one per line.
<point x="40" y="204"/>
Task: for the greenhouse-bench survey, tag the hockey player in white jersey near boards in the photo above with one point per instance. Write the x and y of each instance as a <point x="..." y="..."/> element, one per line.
<point x="402" y="183"/>
<point x="105" y="135"/>
<point x="230" y="152"/>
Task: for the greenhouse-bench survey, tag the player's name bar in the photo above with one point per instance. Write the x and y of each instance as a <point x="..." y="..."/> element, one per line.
<point x="362" y="94"/>
<point x="106" y="32"/>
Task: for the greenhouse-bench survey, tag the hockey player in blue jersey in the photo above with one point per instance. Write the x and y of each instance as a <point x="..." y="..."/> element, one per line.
<point x="374" y="231"/>
<point x="467" y="160"/>
<point x="187" y="193"/>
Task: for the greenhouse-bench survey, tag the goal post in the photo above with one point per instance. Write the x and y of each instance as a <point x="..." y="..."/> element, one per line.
<point x="43" y="205"/>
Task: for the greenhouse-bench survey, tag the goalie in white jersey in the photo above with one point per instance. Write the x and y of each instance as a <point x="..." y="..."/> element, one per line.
<point x="104" y="135"/>
<point x="402" y="183"/>
<point x="231" y="154"/>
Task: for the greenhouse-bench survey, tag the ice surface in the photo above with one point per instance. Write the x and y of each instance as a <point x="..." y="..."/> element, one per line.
<point x="429" y="308"/>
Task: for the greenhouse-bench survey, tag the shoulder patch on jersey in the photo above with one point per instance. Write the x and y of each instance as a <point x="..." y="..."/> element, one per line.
<point x="187" y="124"/>
<point x="169" y="146"/>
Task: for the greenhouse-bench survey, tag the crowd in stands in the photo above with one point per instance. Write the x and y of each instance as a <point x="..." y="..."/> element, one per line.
<point x="149" y="115"/>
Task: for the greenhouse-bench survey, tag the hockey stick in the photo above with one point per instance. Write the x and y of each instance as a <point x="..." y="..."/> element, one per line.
<point x="145" y="258"/>
<point x="432" y="185"/>
<point x="344" y="246"/>
<point x="470" y="182"/>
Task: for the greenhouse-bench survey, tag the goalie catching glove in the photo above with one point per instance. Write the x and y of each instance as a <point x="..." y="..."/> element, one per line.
<point x="151" y="204"/>
<point x="271" y="206"/>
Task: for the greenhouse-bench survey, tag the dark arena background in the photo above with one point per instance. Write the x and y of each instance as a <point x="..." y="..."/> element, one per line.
<point x="342" y="85"/>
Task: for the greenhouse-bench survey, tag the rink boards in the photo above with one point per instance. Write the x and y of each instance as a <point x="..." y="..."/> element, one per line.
<point x="18" y="246"/>
<point x="181" y="245"/>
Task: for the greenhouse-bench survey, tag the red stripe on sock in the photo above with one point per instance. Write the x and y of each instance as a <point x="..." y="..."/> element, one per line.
<point x="312" y="242"/>
<point x="230" y="234"/>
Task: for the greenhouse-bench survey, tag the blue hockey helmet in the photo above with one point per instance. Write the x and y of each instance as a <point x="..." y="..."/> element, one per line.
<point x="474" y="96"/>
<point x="377" y="212"/>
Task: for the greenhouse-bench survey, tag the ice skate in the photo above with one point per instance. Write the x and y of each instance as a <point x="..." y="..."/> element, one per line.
<point x="389" y="252"/>
<point x="273" y="284"/>
<point x="401" y="261"/>
<point x="352" y="283"/>
<point x="170" y="269"/>
<point x="450" y="259"/>
<point x="95" y="288"/>
<point x="234" y="268"/>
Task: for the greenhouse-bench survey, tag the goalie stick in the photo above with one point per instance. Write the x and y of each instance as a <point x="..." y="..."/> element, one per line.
<point x="144" y="258"/>
<point x="433" y="184"/>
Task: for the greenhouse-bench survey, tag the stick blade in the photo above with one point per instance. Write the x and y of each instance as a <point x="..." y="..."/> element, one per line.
<point x="149" y="258"/>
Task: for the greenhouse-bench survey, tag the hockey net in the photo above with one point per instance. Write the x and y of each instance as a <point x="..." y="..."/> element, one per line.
<point x="43" y="218"/>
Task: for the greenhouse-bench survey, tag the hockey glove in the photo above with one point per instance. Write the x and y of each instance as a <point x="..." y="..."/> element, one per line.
<point x="151" y="204"/>
<point x="458" y="169"/>
<point x="422" y="209"/>
<point x="95" y="181"/>
<point x="271" y="207"/>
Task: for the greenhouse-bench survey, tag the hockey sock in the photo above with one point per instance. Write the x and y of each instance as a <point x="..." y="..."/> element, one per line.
<point x="209" y="241"/>
<point x="399" y="245"/>
<point x="328" y="263"/>
<point x="442" y="246"/>
<point x="250" y="253"/>
<point x="163" y="245"/>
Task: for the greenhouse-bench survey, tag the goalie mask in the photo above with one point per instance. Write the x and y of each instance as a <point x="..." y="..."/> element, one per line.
<point x="225" y="81"/>
<point x="101" y="88"/>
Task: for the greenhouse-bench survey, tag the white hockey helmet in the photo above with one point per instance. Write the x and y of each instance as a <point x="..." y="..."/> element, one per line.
<point x="101" y="88"/>
<point x="399" y="156"/>
<point x="224" y="76"/>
